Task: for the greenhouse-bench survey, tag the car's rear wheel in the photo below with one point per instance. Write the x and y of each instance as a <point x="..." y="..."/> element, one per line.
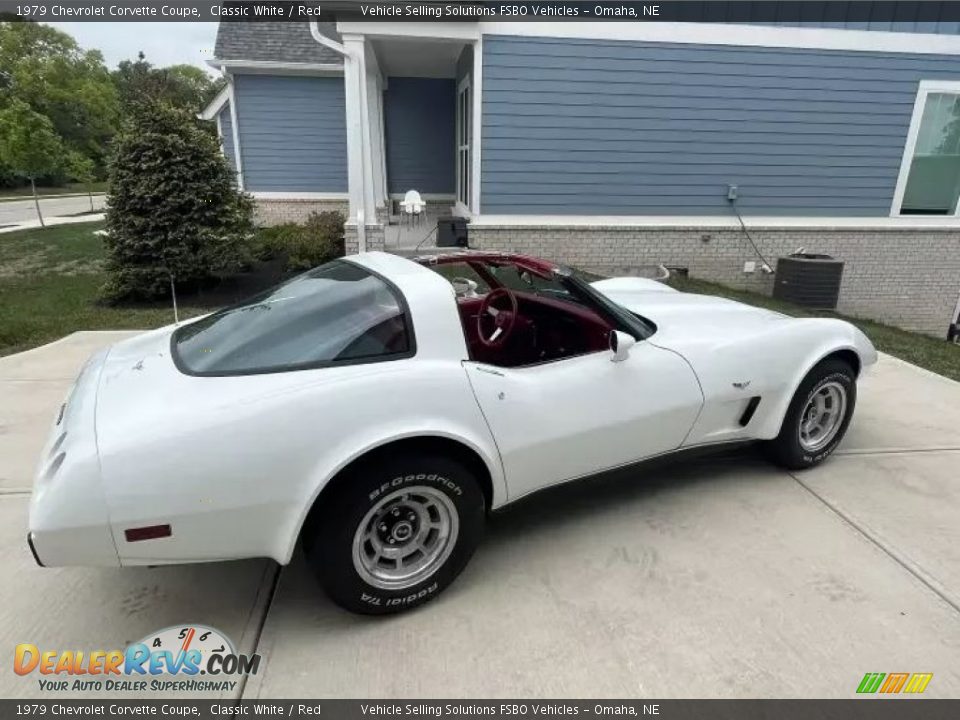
<point x="818" y="416"/>
<point x="393" y="534"/>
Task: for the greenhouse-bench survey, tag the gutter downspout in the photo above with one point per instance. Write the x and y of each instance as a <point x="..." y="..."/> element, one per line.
<point x="325" y="41"/>
<point x="347" y="57"/>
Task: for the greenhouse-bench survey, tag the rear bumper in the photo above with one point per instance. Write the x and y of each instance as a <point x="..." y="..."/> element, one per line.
<point x="69" y="523"/>
<point x="33" y="550"/>
<point x="71" y="545"/>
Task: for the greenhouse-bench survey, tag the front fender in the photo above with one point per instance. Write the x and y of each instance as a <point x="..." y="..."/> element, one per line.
<point x="829" y="336"/>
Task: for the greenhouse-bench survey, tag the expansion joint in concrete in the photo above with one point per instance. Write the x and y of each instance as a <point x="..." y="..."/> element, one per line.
<point x="885" y="547"/>
<point x="266" y="594"/>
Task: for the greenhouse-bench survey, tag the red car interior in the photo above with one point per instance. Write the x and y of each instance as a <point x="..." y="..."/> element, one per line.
<point x="546" y="329"/>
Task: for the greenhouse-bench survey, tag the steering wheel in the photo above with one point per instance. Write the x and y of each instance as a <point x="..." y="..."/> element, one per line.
<point x="503" y="319"/>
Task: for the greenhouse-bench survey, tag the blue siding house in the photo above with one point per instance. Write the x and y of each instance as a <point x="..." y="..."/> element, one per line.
<point x="621" y="146"/>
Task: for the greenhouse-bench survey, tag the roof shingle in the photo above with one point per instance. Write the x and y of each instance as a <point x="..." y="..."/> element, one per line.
<point x="274" y="41"/>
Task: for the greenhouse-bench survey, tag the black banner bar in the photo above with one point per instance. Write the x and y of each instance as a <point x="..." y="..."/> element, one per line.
<point x="828" y="13"/>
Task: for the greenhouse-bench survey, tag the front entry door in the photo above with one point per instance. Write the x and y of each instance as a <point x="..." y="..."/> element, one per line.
<point x="574" y="417"/>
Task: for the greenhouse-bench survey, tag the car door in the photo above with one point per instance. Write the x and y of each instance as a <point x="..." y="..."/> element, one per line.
<point x="569" y="418"/>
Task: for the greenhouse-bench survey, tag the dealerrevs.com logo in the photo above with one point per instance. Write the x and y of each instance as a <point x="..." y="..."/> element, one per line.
<point x="185" y="658"/>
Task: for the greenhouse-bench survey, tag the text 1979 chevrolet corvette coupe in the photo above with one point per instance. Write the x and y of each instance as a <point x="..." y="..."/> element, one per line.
<point x="377" y="407"/>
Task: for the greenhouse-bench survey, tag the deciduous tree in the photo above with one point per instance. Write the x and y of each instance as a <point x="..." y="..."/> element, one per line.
<point x="183" y="86"/>
<point x="29" y="145"/>
<point x="80" y="168"/>
<point x="46" y="69"/>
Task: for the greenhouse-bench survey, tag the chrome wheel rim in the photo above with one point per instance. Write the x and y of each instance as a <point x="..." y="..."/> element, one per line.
<point x="822" y="417"/>
<point x="405" y="538"/>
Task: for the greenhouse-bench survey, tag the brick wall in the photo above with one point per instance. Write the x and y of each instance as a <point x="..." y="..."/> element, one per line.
<point x="375" y="238"/>
<point x="278" y="212"/>
<point x="907" y="278"/>
<point x="389" y="232"/>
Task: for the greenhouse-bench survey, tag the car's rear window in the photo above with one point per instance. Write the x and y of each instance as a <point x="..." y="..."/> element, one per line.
<point x="338" y="313"/>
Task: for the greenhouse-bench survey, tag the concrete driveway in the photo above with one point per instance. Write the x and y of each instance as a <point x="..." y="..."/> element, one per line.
<point x="717" y="578"/>
<point x="78" y="608"/>
<point x="17" y="211"/>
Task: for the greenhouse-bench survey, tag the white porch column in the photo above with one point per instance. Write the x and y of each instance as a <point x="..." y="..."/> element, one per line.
<point x="359" y="175"/>
<point x="382" y="141"/>
<point x="375" y="82"/>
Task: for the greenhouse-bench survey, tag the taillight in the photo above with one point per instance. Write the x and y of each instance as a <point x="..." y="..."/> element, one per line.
<point x="151" y="532"/>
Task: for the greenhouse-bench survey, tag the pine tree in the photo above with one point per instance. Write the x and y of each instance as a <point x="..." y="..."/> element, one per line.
<point x="173" y="208"/>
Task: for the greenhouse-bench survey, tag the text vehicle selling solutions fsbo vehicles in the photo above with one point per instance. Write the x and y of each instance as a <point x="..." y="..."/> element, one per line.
<point x="375" y="409"/>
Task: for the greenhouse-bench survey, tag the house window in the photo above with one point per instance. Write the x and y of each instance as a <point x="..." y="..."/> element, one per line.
<point x="464" y="112"/>
<point x="930" y="178"/>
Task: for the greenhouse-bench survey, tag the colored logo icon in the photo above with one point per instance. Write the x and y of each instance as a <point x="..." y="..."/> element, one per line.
<point x="893" y="683"/>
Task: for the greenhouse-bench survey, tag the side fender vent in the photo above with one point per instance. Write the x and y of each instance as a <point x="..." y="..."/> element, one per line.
<point x="748" y="411"/>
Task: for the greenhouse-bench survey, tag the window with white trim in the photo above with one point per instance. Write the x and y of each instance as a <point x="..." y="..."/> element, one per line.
<point x="929" y="181"/>
<point x="463" y="122"/>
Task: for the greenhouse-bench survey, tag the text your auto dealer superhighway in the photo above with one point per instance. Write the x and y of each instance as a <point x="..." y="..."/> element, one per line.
<point x="124" y="11"/>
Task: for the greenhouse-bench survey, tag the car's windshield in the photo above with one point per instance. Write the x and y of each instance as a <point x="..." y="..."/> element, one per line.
<point x="586" y="275"/>
<point x="515" y="278"/>
<point x="566" y="284"/>
<point x="636" y="325"/>
<point x="337" y="313"/>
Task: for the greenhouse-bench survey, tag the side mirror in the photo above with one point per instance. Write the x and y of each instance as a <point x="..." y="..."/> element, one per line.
<point x="620" y="344"/>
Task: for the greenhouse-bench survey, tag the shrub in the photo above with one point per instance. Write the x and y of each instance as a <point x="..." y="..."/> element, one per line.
<point x="318" y="240"/>
<point x="173" y="208"/>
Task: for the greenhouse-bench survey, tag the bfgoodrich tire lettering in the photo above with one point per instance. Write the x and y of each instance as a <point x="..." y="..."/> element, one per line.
<point x="393" y="534"/>
<point x="792" y="448"/>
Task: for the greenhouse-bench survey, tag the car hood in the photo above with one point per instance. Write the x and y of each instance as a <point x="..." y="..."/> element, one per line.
<point x="685" y="320"/>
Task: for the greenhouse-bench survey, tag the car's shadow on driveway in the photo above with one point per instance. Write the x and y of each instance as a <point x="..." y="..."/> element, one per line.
<point x="582" y="505"/>
<point x="588" y="498"/>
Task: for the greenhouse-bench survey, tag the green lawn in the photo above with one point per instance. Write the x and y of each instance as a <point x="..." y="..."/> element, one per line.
<point x="25" y="193"/>
<point x="49" y="280"/>
<point x="940" y="356"/>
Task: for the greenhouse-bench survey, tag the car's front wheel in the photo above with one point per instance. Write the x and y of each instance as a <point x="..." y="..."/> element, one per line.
<point x="394" y="533"/>
<point x="818" y="416"/>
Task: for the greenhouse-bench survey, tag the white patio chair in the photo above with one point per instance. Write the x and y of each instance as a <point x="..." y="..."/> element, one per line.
<point x="412" y="208"/>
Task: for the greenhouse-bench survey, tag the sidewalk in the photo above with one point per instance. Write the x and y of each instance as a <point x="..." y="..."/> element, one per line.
<point x="53" y="196"/>
<point x="64" y="220"/>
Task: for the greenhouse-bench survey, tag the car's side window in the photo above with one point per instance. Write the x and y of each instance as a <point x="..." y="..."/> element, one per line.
<point x="386" y="338"/>
<point x="338" y="313"/>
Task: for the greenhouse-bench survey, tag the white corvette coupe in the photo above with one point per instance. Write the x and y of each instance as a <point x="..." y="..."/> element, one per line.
<point x="376" y="408"/>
